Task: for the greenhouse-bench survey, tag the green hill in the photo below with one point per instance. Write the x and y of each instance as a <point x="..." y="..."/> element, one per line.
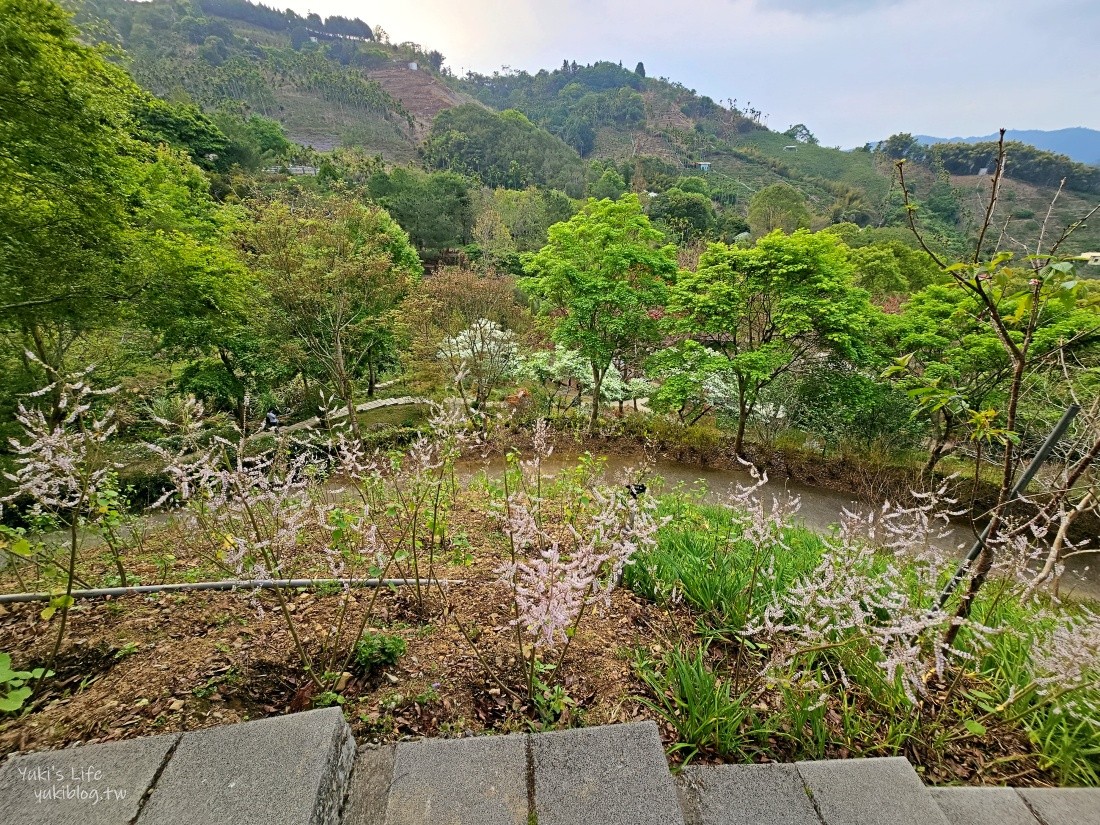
<point x="331" y="83"/>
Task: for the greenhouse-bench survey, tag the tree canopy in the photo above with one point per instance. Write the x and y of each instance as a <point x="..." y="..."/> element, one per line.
<point x="602" y="277"/>
<point x="769" y="308"/>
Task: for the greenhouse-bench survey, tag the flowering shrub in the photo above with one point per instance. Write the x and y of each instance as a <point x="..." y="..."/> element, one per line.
<point x="480" y="359"/>
<point x="843" y="642"/>
<point x="556" y="573"/>
<point x="62" y="467"/>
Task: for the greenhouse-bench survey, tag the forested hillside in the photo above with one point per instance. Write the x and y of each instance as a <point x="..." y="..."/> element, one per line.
<point x="583" y="129"/>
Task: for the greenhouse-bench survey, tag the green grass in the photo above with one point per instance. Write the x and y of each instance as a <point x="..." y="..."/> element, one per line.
<point x="702" y="557"/>
<point x="725" y="695"/>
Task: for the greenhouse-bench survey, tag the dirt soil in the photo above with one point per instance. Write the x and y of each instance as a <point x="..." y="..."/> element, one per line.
<point x="162" y="663"/>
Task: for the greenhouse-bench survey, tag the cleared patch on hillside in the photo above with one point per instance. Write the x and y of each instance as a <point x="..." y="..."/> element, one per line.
<point x="421" y="93"/>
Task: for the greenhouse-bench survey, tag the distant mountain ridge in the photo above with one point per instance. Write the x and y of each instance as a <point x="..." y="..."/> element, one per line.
<point x="1078" y="142"/>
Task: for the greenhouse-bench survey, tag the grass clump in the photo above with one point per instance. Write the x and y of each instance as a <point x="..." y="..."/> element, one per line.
<point x="376" y="650"/>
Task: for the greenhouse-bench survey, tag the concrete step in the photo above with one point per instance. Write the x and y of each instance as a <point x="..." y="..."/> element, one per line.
<point x="1063" y="806"/>
<point x="88" y="785"/>
<point x="607" y="775"/>
<point x="303" y="769"/>
<point x="288" y="770"/>
<point x="983" y="806"/>
<point x="480" y="779"/>
<point x="881" y="791"/>
<point x="1019" y="806"/>
<point x="611" y="774"/>
<point x="745" y="795"/>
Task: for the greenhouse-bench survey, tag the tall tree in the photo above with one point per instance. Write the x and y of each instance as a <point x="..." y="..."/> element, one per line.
<point x="98" y="227"/>
<point x="769" y="308"/>
<point x="779" y="206"/>
<point x="602" y="277"/>
<point x="335" y="271"/>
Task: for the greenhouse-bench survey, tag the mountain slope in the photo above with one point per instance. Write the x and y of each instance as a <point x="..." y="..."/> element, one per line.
<point x="1079" y="143"/>
<point x="330" y="84"/>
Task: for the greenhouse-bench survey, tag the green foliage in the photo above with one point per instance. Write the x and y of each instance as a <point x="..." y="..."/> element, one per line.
<point x="334" y="272"/>
<point x="1025" y="162"/>
<point x="840" y="405"/>
<point x="610" y="186"/>
<point x="687" y="215"/>
<point x="435" y="209"/>
<point x="503" y="149"/>
<point x="700" y="705"/>
<point x="765" y="308"/>
<point x="702" y="558"/>
<point x="376" y="650"/>
<point x="13" y="684"/>
<point x="602" y="276"/>
<point x="779" y="206"/>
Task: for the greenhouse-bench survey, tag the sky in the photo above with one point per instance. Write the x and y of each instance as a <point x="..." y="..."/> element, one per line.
<point x="851" y="70"/>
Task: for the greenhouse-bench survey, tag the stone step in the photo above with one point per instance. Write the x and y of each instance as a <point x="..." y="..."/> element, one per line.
<point x="480" y="779"/>
<point x="287" y="770"/>
<point x="983" y="806"/>
<point x="1063" y="806"/>
<point x="878" y="791"/>
<point x="610" y="774"/>
<point x="607" y="775"/>
<point x="745" y="795"/>
<point x="87" y="785"/>
<point x="303" y="769"/>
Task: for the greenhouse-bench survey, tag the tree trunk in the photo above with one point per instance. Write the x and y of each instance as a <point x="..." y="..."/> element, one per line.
<point x="597" y="385"/>
<point x="227" y="362"/>
<point x="372" y="374"/>
<point x="742" y="416"/>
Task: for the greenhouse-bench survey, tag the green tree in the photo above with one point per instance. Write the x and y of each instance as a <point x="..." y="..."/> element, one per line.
<point x="610" y="185"/>
<point x="769" y="308"/>
<point x="779" y="206"/>
<point x="335" y="271"/>
<point x="99" y="229"/>
<point x="686" y="214"/>
<point x="602" y="277"/>
<point x="435" y="209"/>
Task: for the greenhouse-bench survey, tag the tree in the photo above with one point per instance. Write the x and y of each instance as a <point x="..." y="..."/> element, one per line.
<point x="769" y="308"/>
<point x="335" y="271"/>
<point x="480" y="358"/>
<point x="610" y="185"/>
<point x="68" y="165"/>
<point x="1013" y="302"/>
<point x="602" y="278"/>
<point x="640" y="69"/>
<point x="901" y="145"/>
<point x="687" y="214"/>
<point x="445" y="306"/>
<point x="802" y="134"/>
<point x="779" y="206"/>
<point x="435" y="209"/>
<point x="99" y="228"/>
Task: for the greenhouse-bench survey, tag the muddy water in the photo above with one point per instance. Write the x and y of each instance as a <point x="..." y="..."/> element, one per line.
<point x="820" y="509"/>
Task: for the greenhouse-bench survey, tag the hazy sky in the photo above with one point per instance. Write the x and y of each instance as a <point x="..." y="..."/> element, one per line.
<point x="851" y="70"/>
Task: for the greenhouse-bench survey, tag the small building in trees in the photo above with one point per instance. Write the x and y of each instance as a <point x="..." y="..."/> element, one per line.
<point x="703" y="165"/>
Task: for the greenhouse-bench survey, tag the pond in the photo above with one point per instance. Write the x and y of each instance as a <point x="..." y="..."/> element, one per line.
<point x="820" y="509"/>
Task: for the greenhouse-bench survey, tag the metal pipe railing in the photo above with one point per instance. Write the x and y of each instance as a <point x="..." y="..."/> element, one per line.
<point x="262" y="584"/>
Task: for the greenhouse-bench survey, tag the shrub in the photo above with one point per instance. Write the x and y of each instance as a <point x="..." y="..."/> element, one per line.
<point x="379" y="649"/>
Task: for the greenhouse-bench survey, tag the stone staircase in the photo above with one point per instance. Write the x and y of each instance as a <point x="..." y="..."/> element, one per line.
<point x="304" y="769"/>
